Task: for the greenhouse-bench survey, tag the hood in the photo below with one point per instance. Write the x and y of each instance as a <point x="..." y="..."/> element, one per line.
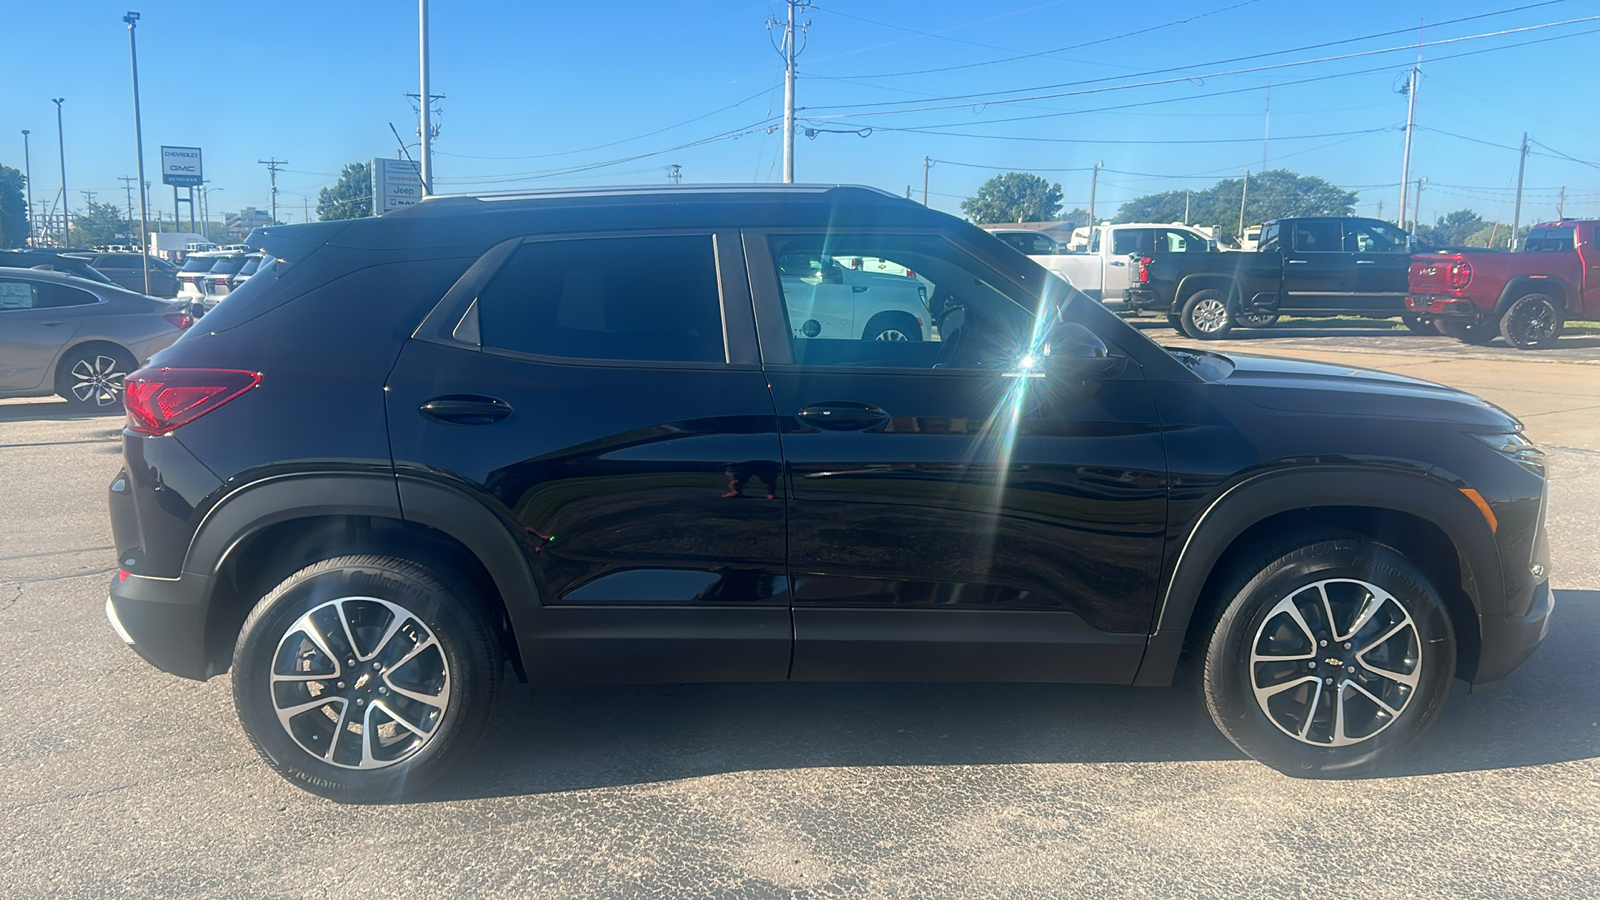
<point x="1295" y="385"/>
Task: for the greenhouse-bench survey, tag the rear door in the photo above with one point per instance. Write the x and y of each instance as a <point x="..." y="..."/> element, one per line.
<point x="1589" y="261"/>
<point x="1317" y="273"/>
<point x="35" y="323"/>
<point x="602" y="396"/>
<point x="1125" y="242"/>
<point x="1382" y="258"/>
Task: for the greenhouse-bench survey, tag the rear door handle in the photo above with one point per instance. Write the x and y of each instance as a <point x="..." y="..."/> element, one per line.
<point x="1366" y="262"/>
<point x="465" y="409"/>
<point x="1297" y="262"/>
<point x="843" y="416"/>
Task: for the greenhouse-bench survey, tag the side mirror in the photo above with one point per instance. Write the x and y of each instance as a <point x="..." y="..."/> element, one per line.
<point x="1071" y="351"/>
<point x="1212" y="245"/>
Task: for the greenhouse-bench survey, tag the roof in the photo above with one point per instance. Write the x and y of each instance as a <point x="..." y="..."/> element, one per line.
<point x="452" y="203"/>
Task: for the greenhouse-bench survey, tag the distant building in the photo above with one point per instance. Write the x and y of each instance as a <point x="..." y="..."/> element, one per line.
<point x="240" y="223"/>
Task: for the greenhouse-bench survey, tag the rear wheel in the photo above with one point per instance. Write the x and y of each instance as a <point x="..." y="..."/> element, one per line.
<point x="91" y="379"/>
<point x="1328" y="659"/>
<point x="1476" y="333"/>
<point x="1205" y="316"/>
<point x="1532" y="322"/>
<point x="364" y="678"/>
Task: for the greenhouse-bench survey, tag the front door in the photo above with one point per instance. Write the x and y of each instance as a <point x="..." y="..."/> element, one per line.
<point x="951" y="516"/>
<point x="1317" y="273"/>
<point x="602" y="396"/>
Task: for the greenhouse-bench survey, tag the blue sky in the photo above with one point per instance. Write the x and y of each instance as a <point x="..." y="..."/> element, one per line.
<point x="535" y="90"/>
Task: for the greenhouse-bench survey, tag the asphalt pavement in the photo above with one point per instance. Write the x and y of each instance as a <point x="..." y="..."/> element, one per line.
<point x="116" y="779"/>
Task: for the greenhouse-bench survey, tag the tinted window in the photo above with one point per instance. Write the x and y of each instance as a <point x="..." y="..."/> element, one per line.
<point x="1269" y="238"/>
<point x="1031" y="244"/>
<point x="1551" y="240"/>
<point x="1175" y="241"/>
<point x="18" y="294"/>
<point x="1316" y="236"/>
<point x="637" y="298"/>
<point x="1130" y="240"/>
<point x="1373" y="237"/>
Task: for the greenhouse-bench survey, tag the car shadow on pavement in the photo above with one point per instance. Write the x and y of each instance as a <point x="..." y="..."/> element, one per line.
<point x="564" y="739"/>
<point x="50" y="410"/>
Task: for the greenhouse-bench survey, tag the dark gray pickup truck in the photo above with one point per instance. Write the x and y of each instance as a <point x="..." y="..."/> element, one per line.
<point x="1312" y="266"/>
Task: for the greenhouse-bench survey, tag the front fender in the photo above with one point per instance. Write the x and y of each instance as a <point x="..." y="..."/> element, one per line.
<point x="1252" y="500"/>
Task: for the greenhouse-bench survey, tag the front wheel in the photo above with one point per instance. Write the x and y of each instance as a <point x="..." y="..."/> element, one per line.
<point x="364" y="678"/>
<point x="1475" y="333"/>
<point x="1532" y="322"/>
<point x="1205" y="316"/>
<point x="1329" y="659"/>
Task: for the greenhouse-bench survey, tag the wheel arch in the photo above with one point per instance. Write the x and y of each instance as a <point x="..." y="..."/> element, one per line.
<point x="1417" y="515"/>
<point x="71" y="349"/>
<point x="1521" y="285"/>
<point x="1193" y="284"/>
<point x="260" y="534"/>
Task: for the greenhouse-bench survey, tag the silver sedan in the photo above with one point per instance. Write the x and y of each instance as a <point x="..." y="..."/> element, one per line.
<point x="77" y="338"/>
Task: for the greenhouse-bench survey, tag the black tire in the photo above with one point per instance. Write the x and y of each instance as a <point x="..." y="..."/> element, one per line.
<point x="1255" y="320"/>
<point x="1475" y="333"/>
<point x="1419" y="323"/>
<point x="1257" y="645"/>
<point x="1176" y="322"/>
<point x="896" y="326"/>
<point x="90" y="378"/>
<point x="1205" y="316"/>
<point x="399" y="606"/>
<point x="1532" y="322"/>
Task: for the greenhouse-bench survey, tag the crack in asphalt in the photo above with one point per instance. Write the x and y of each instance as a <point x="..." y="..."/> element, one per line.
<point x="45" y="553"/>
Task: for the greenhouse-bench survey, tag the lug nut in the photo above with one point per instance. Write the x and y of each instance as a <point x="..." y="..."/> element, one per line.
<point x="1312" y="664"/>
<point x="1347" y="645"/>
<point x="362" y="701"/>
<point x="1324" y="643"/>
<point x="352" y="662"/>
<point x="1330" y="681"/>
<point x="1350" y="668"/>
<point x="341" y="685"/>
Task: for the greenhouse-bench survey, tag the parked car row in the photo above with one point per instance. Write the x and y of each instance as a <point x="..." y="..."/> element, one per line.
<point x="206" y="278"/>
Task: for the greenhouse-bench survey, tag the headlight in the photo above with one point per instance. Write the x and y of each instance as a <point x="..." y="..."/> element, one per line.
<point x="1518" y="448"/>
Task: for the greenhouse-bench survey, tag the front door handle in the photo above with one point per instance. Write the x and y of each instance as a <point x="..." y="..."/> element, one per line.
<point x="1366" y="262"/>
<point x="1297" y="262"/>
<point x="465" y="409"/>
<point x="843" y="416"/>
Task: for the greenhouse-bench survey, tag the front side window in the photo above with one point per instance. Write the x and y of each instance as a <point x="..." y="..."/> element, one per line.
<point x="1269" y="238"/>
<point x="1171" y="240"/>
<point x="1316" y="236"/>
<point x="1130" y="240"/>
<point x="652" y="299"/>
<point x="892" y="300"/>
<point x="1373" y="237"/>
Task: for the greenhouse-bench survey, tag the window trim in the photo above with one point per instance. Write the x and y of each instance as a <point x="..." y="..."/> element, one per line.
<point x="454" y="320"/>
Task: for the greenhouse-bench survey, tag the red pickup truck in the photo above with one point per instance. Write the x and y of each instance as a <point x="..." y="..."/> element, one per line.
<point x="1525" y="297"/>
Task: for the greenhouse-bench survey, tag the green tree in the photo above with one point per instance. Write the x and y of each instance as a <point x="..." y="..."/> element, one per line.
<point x="13" y="209"/>
<point x="1494" y="236"/>
<point x="1272" y="194"/>
<point x="100" y="225"/>
<point x="351" y="197"/>
<point x="1453" y="229"/>
<point x="1013" y="197"/>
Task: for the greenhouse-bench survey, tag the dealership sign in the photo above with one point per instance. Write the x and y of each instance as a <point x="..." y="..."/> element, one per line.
<point x="180" y="166"/>
<point x="396" y="183"/>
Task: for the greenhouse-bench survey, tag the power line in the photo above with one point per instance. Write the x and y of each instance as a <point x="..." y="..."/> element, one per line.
<point x="996" y="98"/>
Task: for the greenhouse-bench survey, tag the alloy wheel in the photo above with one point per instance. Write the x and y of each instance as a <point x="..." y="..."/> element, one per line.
<point x="891" y="334"/>
<point x="1336" y="662"/>
<point x="360" y="683"/>
<point x="1210" y="315"/>
<point x="97" y="380"/>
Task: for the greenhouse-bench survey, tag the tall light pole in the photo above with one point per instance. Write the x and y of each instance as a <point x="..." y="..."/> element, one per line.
<point x="427" y="99"/>
<point x="1411" y="126"/>
<point x="27" y="175"/>
<point x="132" y="18"/>
<point x="788" y="98"/>
<point x="66" y="220"/>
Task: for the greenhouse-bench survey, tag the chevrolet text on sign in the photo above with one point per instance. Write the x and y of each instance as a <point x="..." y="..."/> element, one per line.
<point x="180" y="166"/>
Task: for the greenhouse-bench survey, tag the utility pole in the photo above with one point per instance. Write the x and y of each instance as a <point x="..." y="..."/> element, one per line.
<point x="1561" y="205"/>
<point x="1416" y="211"/>
<point x="1266" y="131"/>
<point x="27" y="166"/>
<point x="132" y="19"/>
<point x="305" y="208"/>
<point x="1516" y="215"/>
<point x="1185" y="207"/>
<point x="425" y="103"/>
<point x="127" y="186"/>
<point x="674" y="173"/>
<point x="66" y="219"/>
<point x="1094" y="184"/>
<point x="1244" y="193"/>
<point x="927" y="163"/>
<point x="272" y="165"/>
<point x="1411" y="126"/>
<point x="788" y="97"/>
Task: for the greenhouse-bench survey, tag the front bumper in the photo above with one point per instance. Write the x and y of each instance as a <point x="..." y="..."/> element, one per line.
<point x="163" y="620"/>
<point x="1508" y="641"/>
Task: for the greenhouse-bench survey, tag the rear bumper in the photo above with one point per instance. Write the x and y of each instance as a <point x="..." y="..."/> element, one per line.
<point x="1144" y="300"/>
<point x="1455" y="307"/>
<point x="163" y="620"/>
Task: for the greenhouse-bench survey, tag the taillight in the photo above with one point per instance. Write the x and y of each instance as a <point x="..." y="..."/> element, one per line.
<point x="179" y="320"/>
<point x="1460" y="275"/>
<point x="160" y="400"/>
<point x="1144" y="269"/>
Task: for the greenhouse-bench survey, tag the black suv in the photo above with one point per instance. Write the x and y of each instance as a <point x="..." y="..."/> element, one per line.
<point x="600" y="435"/>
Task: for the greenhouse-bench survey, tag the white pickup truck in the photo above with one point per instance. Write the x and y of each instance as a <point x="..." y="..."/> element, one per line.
<point x="854" y="298"/>
<point x="1107" y="266"/>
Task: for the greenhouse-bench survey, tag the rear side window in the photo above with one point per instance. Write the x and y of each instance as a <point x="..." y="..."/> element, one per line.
<point x="1130" y="240"/>
<point x="1551" y="240"/>
<point x="647" y="299"/>
<point x="18" y="294"/>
